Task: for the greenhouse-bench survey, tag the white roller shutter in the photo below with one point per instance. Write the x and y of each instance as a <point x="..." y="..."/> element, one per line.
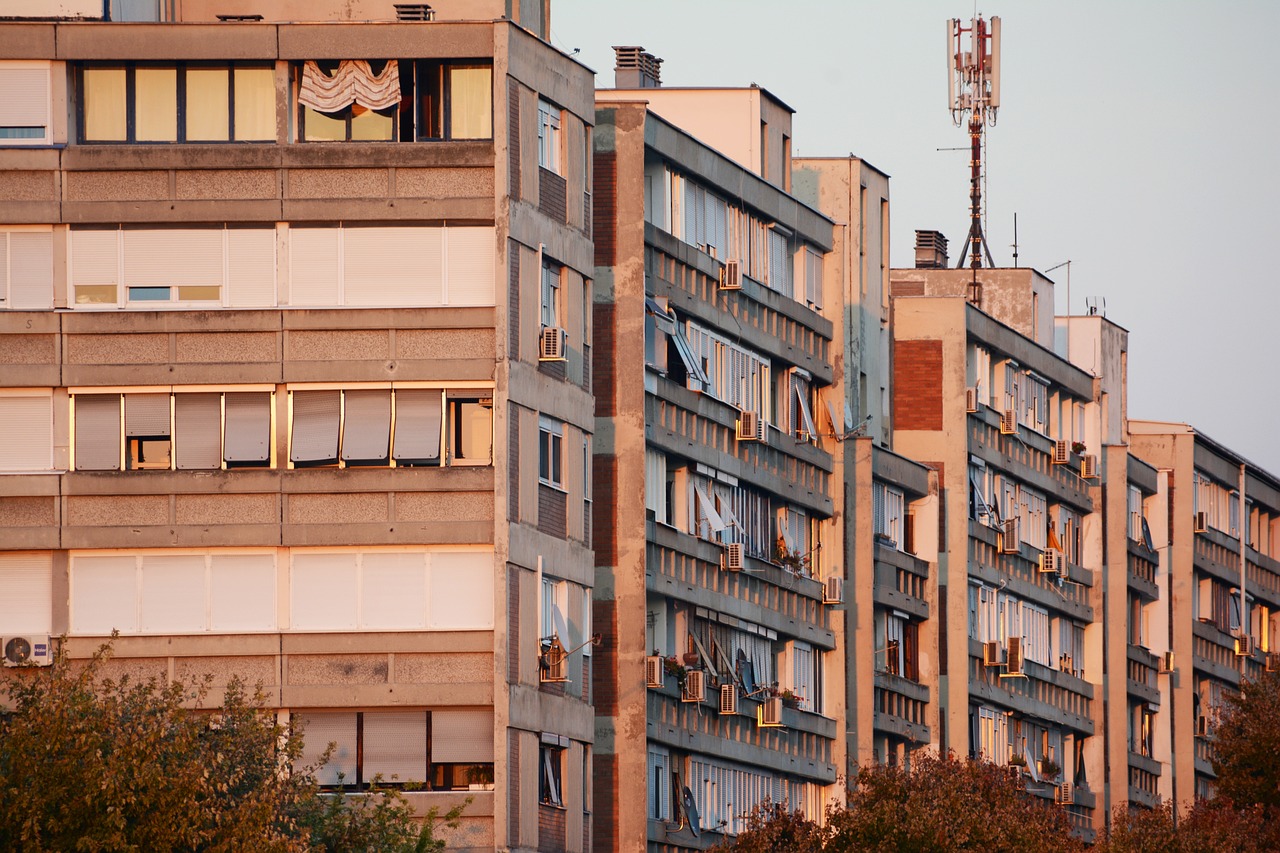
<point x="393" y="266"/>
<point x="146" y="414"/>
<point x="418" y="419"/>
<point x="24" y="99"/>
<point x="395" y="746"/>
<point x="30" y="270"/>
<point x="366" y="426"/>
<point x="104" y="595"/>
<point x="393" y="591"/>
<point x="174" y="599"/>
<point x="4" y="269"/>
<point x="242" y="593"/>
<point x="460" y="593"/>
<point x="26" y="606"/>
<point x="95" y="258"/>
<point x="319" y="729"/>
<point x="469" y="269"/>
<point x="462" y="736"/>
<point x="97" y="432"/>
<point x="251" y="267"/>
<point x="314" y="266"/>
<point x="173" y="257"/>
<point x="26" y="422"/>
<point x="198" y="431"/>
<point x="325" y="592"/>
<point x="247" y="436"/>
<point x="314" y="436"/>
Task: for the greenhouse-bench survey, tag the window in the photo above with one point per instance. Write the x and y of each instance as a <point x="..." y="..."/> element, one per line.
<point x="801" y="408"/>
<point x="186" y="102"/>
<point x="551" y="755"/>
<point x="993" y="735"/>
<point x="448" y="749"/>
<point x="25" y="103"/>
<point x="984" y="614"/>
<point x="26" y="265"/>
<point x="812" y="277"/>
<point x="26" y="420"/>
<point x="733" y="374"/>
<point x="1071" y="647"/>
<point x="455" y="101"/>
<point x="780" y="261"/>
<point x="727" y="793"/>
<point x="550" y="142"/>
<point x="889" y="514"/>
<point x="135" y="431"/>
<point x="659" y="786"/>
<point x="27" y="580"/>
<point x="552" y="273"/>
<point x="551" y="453"/>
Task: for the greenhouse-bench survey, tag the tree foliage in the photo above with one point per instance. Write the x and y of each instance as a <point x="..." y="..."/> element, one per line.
<point x="98" y="764"/>
<point x="1246" y="744"/>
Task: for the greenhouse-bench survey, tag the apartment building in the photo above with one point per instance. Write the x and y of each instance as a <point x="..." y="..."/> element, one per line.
<point x="1220" y="537"/>
<point x="719" y="566"/>
<point x="295" y="302"/>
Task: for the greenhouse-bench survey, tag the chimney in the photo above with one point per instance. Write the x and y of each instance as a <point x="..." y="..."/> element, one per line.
<point x="931" y="250"/>
<point x="636" y="69"/>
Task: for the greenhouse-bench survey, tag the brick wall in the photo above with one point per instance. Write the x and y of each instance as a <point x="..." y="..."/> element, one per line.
<point x="604" y="331"/>
<point x="606" y="205"/>
<point x="513" y="139"/>
<point x="604" y="786"/>
<point x="551" y="194"/>
<point x="604" y="476"/>
<point x="552" y="519"/>
<point x="551" y="829"/>
<point x="917" y="385"/>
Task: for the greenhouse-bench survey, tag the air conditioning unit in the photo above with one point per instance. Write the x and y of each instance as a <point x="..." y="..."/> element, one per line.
<point x="551" y="344"/>
<point x="750" y="426"/>
<point x="653" y="676"/>
<point x="1166" y="662"/>
<point x="728" y="699"/>
<point x="769" y="714"/>
<point x="1064" y="570"/>
<point x="1010" y="541"/>
<point x="1049" y="561"/>
<point x="731" y="559"/>
<point x="1202" y="726"/>
<point x="991" y="655"/>
<point x="695" y="686"/>
<point x="30" y="650"/>
<point x="833" y="591"/>
<point x="731" y="275"/>
<point x="553" y="663"/>
<point x="1202" y="522"/>
<point x="1063" y="795"/>
<point x="1244" y="646"/>
<point x="1013" y="659"/>
<point x="1273" y="662"/>
<point x="1061" y="452"/>
<point x="1089" y="466"/>
<point x="1009" y="422"/>
<point x="971" y="399"/>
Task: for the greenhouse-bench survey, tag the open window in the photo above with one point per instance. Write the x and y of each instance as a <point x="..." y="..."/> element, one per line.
<point x="551" y="758"/>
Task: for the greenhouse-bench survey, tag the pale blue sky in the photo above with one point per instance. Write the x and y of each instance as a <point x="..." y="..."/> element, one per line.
<point x="1137" y="139"/>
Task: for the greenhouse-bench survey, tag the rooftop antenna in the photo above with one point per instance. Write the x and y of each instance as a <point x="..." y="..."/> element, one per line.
<point x="973" y="88"/>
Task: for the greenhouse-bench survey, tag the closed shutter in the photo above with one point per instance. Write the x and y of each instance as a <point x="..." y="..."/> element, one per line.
<point x="460" y="591"/>
<point x="318" y="731"/>
<point x="314" y="255"/>
<point x="146" y="414"/>
<point x="242" y="593"/>
<point x="393" y="591"/>
<point x="30" y="270"/>
<point x="393" y="266"/>
<point x="95" y="265"/>
<point x="251" y="267"/>
<point x="198" y="431"/>
<point x="395" y="746"/>
<point x="417" y="438"/>
<point x="324" y="591"/>
<point x="469" y="267"/>
<point x="97" y="432"/>
<point x="185" y="257"/>
<point x="462" y="736"/>
<point x="173" y="594"/>
<point x="27" y="603"/>
<point x="315" y="426"/>
<point x="24" y="100"/>
<point x="26" y="421"/>
<point x="247" y="437"/>
<point x="366" y="426"/>
<point x="104" y="595"/>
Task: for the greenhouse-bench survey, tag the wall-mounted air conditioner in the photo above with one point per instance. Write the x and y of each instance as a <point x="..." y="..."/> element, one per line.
<point x="29" y="650"/>
<point x="653" y="671"/>
<point x="1166" y="662"/>
<point x="1010" y="540"/>
<point x="1013" y="659"/>
<point x="1202" y="522"/>
<point x="750" y="426"/>
<point x="551" y="344"/>
<point x="1089" y="466"/>
<point x="1009" y="422"/>
<point x="1202" y="726"/>
<point x="991" y="654"/>
<point x="731" y="275"/>
<point x="833" y="591"/>
<point x="1273" y="662"/>
<point x="1244" y="646"/>
<point x="728" y="699"/>
<point x="731" y="559"/>
<point x="1049" y="561"/>
<point x="695" y="686"/>
<point x="1063" y="795"/>
<point x="971" y="399"/>
<point x="1061" y="452"/>
<point x="769" y="714"/>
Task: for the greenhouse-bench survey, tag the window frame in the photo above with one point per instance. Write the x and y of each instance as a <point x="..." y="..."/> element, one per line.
<point x="46" y="136"/>
<point x="551" y="461"/>
<point x="552" y="752"/>
<point x="551" y="137"/>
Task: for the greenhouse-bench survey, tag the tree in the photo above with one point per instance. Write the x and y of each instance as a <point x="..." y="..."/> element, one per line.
<point x="772" y="828"/>
<point x="1246" y="744"/>
<point x="92" y="763"/>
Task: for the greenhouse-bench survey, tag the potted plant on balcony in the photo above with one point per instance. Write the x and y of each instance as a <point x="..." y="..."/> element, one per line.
<point x="789" y="699"/>
<point x="1049" y="769"/>
<point x="1077" y="447"/>
<point x="671" y="666"/>
<point x="792" y="561"/>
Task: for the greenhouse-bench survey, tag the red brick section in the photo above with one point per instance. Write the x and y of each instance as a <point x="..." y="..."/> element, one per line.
<point x="604" y="685"/>
<point x="551" y="829"/>
<point x="604" y="477"/>
<point x="604" y="333"/>
<point x="604" y="793"/>
<point x="917" y="385"/>
<point x="603" y="216"/>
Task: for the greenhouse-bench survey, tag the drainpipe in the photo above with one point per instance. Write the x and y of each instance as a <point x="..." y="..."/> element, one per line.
<point x="1244" y="558"/>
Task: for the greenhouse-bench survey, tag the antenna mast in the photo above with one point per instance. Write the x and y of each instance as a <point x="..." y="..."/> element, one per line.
<point x="973" y="87"/>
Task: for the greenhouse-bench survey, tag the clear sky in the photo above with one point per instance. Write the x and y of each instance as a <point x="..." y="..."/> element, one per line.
<point x="1139" y="139"/>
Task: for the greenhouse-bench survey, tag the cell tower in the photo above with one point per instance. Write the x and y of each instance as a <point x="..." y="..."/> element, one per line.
<point x="973" y="87"/>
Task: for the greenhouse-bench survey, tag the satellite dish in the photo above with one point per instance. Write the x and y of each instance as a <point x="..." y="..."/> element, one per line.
<point x="690" y="810"/>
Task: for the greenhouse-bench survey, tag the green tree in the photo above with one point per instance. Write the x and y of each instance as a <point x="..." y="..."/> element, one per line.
<point x="1246" y="744"/>
<point x="773" y="828"/>
<point x="97" y="764"/>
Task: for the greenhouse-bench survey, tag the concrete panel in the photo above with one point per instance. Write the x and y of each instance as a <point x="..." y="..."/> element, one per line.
<point x="226" y="347"/>
<point x="444" y="669"/>
<point x="163" y="374"/>
<point x="133" y="322"/>
<point x="430" y="506"/>
<point x="137" y="669"/>
<point x="263" y="670"/>
<point x="256" y="183"/>
<point x="330" y="183"/>
<point x="28" y="186"/>
<point x="399" y="642"/>
<point x="325" y="371"/>
<point x="227" y="509"/>
<point x="479" y="211"/>
<point x="140" y="510"/>
<point x="336" y="669"/>
<point x="27" y="41"/>
<point x="117" y="349"/>
<point x="238" y="535"/>
<point x="25" y="212"/>
<point x="171" y="212"/>
<point x="385" y="695"/>
<point x="27" y="511"/>
<point x="239" y="481"/>
<point x="337" y="346"/>
<point x="364" y="155"/>
<point x="163" y="41"/>
<point x="27" y="349"/>
<point x="444" y="183"/>
<point x="309" y="41"/>
<point x="446" y="343"/>
<point x="337" y="509"/>
<point x="443" y="532"/>
<point x="117" y="186"/>
<point x="181" y="157"/>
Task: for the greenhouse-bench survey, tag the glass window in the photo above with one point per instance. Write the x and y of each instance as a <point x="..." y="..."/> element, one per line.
<point x="549" y="138"/>
<point x="208" y="105"/>
<point x="550" y="774"/>
<point x="551" y="453"/>
<point x="471" y="102"/>
<point x="104" y="102"/>
<point x="470" y="430"/>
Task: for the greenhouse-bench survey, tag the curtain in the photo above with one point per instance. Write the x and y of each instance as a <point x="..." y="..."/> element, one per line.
<point x="353" y="82"/>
